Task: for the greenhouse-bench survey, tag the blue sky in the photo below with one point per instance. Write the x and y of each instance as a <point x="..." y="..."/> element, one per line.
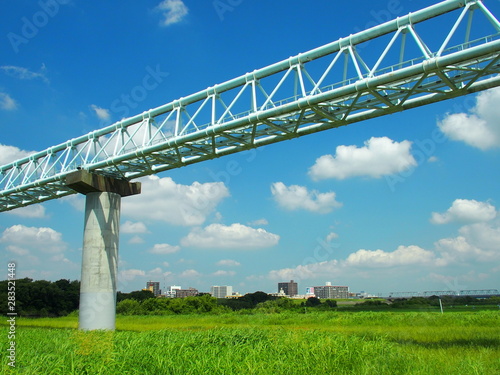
<point x="406" y="202"/>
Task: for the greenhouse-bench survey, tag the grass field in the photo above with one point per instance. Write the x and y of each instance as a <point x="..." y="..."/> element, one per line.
<point x="286" y="343"/>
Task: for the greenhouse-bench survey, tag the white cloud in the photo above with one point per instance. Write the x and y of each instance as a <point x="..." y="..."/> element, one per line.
<point x="77" y="201"/>
<point x="41" y="252"/>
<point x="402" y="256"/>
<point x="228" y="263"/>
<point x="6" y="102"/>
<point x="24" y="73"/>
<point x="235" y="236"/>
<point x="8" y="154"/>
<point x="478" y="128"/>
<point x="331" y="236"/>
<point x="465" y="210"/>
<point x="35" y="211"/>
<point x="224" y="273"/>
<point x="128" y="275"/>
<point x="378" y="157"/>
<point x="134" y="228"/>
<point x="33" y="239"/>
<point x="358" y="264"/>
<point x="164" y="248"/>
<point x="101" y="113"/>
<point x="258" y="222"/>
<point x="189" y="273"/>
<point x="174" y="11"/>
<point x="327" y="269"/>
<point x="295" y="197"/>
<point x="476" y="243"/>
<point x="136" y="240"/>
<point x="164" y="200"/>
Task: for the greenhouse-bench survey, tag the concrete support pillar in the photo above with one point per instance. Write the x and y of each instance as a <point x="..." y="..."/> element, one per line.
<point x="100" y="246"/>
<point x="100" y="261"/>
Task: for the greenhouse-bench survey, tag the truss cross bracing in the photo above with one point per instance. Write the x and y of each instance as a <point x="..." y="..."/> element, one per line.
<point x="397" y="65"/>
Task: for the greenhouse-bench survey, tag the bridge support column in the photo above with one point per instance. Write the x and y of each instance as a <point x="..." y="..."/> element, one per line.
<point x="100" y="246"/>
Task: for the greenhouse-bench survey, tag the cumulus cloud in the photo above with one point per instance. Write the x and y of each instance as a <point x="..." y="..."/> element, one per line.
<point x="164" y="200"/>
<point x="331" y="236"/>
<point x="101" y="113"/>
<point x="402" y="256"/>
<point x="476" y="243"/>
<point x="464" y="210"/>
<point x="377" y="158"/>
<point x="7" y="103"/>
<point x="224" y="273"/>
<point x="34" y="239"/>
<point x="478" y="128"/>
<point x="35" y="211"/>
<point x="128" y="275"/>
<point x="258" y="222"/>
<point x="235" y="236"/>
<point x="328" y="269"/>
<point x="164" y="248"/>
<point x="133" y="228"/>
<point x="228" y="263"/>
<point x="8" y="154"/>
<point x="189" y="273"/>
<point x="41" y="250"/>
<point x="136" y="240"/>
<point x="173" y="11"/>
<point x="295" y="197"/>
<point x="358" y="263"/>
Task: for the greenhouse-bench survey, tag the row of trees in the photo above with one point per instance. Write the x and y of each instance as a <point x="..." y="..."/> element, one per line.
<point x="44" y="298"/>
<point x="432" y="301"/>
<point x="40" y="298"/>
<point x="259" y="302"/>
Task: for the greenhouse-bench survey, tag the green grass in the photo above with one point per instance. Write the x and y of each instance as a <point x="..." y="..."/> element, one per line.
<point x="287" y="343"/>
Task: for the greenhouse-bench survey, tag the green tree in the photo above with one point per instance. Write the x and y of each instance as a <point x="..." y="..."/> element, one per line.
<point x="313" y="302"/>
<point x="128" y="307"/>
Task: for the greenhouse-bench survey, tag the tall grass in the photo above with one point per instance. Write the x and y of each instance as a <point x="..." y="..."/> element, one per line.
<point x="319" y="343"/>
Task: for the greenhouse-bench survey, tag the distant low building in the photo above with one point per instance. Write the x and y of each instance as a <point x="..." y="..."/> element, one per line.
<point x="172" y="291"/>
<point x="153" y="286"/>
<point x="330" y="291"/>
<point x="183" y="293"/>
<point x="221" y="291"/>
<point x="290" y="289"/>
<point x="281" y="293"/>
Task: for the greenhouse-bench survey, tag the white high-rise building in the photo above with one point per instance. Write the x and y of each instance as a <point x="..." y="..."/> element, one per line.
<point x="172" y="290"/>
<point x="221" y="291"/>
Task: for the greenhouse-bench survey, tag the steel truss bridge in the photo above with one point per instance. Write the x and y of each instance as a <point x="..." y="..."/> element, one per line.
<point x="479" y="293"/>
<point x="395" y="66"/>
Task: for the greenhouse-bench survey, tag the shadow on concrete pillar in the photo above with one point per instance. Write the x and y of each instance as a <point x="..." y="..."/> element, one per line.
<point x="100" y="246"/>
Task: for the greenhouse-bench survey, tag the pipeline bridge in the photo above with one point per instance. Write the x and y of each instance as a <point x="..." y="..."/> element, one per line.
<point x="398" y="65"/>
<point x="476" y="293"/>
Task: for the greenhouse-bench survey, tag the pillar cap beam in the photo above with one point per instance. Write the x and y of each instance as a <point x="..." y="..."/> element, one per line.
<point x="85" y="182"/>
